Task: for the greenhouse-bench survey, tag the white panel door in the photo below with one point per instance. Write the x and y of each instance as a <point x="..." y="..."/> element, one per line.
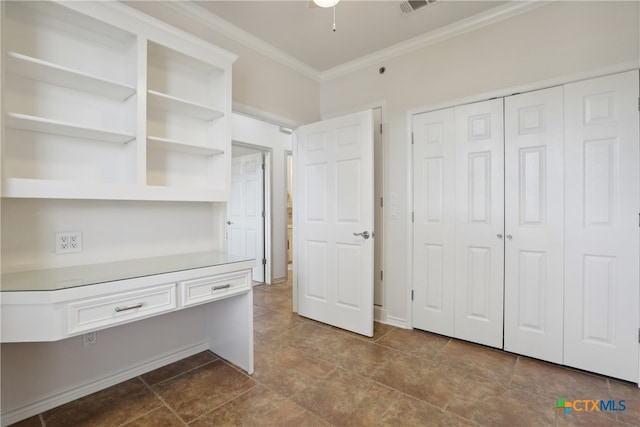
<point x="602" y="205"/>
<point x="245" y="221"/>
<point x="534" y="224"/>
<point x="434" y="221"/>
<point x="479" y="225"/>
<point x="334" y="249"/>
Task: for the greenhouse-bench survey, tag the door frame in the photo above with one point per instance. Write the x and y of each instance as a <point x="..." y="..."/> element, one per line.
<point x="499" y="93"/>
<point x="379" y="312"/>
<point x="267" y="202"/>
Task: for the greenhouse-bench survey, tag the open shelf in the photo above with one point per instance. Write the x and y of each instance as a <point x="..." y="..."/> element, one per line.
<point x="56" y="127"/>
<point x="58" y="189"/>
<point x="174" y="145"/>
<point x="173" y="104"/>
<point x="36" y="69"/>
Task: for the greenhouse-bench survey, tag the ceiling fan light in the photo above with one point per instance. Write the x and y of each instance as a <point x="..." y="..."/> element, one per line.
<point x="326" y="3"/>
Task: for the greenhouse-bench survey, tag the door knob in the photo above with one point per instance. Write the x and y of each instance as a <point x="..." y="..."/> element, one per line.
<point x="229" y="222"/>
<point x="509" y="236"/>
<point x="364" y="234"/>
<point x="499" y="236"/>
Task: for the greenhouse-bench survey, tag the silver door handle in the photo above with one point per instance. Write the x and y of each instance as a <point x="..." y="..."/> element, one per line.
<point x="364" y="234"/>
<point x="499" y="236"/>
<point x="509" y="236"/>
<point x="229" y="222"/>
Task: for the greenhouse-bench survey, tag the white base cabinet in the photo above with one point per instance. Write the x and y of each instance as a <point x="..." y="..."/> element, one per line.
<point x="51" y="305"/>
<point x="541" y="209"/>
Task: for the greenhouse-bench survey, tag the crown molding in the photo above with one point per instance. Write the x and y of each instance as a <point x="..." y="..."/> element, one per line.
<point x="214" y="22"/>
<point x="209" y="19"/>
<point x="480" y="20"/>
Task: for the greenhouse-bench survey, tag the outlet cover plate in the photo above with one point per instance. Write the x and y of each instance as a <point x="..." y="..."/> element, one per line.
<point x="68" y="242"/>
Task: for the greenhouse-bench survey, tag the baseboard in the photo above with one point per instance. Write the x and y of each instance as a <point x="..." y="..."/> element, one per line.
<point x="397" y="322"/>
<point x="61" y="397"/>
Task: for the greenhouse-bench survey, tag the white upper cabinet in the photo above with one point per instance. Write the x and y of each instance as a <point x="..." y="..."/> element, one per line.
<point x="102" y="102"/>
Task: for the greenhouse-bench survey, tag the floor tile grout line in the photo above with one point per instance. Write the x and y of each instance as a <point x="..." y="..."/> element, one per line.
<point x="215" y="408"/>
<point x="183" y="372"/>
<point x="166" y="405"/>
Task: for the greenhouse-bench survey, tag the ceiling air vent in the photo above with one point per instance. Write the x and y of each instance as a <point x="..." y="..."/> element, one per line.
<point x="408" y="7"/>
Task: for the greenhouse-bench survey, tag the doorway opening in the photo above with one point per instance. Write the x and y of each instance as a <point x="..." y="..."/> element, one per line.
<point x="248" y="219"/>
<point x="289" y="199"/>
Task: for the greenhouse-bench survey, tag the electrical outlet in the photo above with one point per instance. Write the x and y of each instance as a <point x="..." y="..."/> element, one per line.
<point x="90" y="338"/>
<point x="68" y="242"/>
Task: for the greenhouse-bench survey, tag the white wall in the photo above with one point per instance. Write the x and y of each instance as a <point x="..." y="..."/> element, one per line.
<point x="248" y="130"/>
<point x="111" y="230"/>
<point x="560" y="39"/>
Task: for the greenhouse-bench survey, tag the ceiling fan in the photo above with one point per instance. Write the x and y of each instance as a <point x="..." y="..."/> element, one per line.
<point x="311" y="4"/>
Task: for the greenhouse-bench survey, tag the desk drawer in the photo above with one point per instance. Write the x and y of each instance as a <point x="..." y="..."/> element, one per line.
<point x="101" y="312"/>
<point x="211" y="288"/>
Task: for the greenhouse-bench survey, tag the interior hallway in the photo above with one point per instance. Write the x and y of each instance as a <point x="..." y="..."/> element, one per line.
<point x="310" y="374"/>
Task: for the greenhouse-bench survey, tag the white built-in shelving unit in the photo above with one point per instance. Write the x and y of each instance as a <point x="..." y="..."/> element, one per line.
<point x="102" y="102"/>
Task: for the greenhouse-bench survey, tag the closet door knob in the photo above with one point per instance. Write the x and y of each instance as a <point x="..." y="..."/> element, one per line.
<point x="499" y="236"/>
<point x="509" y="236"/>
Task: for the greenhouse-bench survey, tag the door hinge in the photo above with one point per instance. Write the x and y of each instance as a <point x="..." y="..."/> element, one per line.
<point x="264" y="261"/>
<point x="411" y="216"/>
<point x="262" y="166"/>
<point x="381" y="275"/>
<point x="381" y="202"/>
<point x="411" y="138"/>
<point x="380" y="128"/>
<point x="411" y="294"/>
<point x="263" y="214"/>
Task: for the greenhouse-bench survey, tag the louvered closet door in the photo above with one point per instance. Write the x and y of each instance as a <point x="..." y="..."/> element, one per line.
<point x="602" y="205"/>
<point x="534" y="224"/>
<point x="479" y="225"/>
<point x="434" y="221"/>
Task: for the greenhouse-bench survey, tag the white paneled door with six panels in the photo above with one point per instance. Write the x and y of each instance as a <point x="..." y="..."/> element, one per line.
<point x="334" y="218"/>
<point x="245" y="221"/>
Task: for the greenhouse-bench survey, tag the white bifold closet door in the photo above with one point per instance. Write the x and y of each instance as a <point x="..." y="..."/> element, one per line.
<point x="534" y="224"/>
<point x="479" y="241"/>
<point x="602" y="207"/>
<point x="434" y="221"/>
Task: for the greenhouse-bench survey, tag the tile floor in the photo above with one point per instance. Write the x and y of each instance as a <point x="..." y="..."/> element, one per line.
<point x="310" y="374"/>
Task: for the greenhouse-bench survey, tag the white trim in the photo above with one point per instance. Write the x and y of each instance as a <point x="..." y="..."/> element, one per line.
<point x="264" y="116"/>
<point x="410" y="231"/>
<point x="63" y="396"/>
<point x="214" y="22"/>
<point x="472" y="23"/>
<point x="397" y="322"/>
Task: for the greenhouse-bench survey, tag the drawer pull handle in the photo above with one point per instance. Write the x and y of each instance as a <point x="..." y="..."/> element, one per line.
<point x="128" y="307"/>
<point x="217" y="288"/>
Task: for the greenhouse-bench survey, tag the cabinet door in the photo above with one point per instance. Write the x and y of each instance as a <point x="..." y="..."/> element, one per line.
<point x="534" y="224"/>
<point x="602" y="205"/>
<point x="434" y="222"/>
<point x="479" y="246"/>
